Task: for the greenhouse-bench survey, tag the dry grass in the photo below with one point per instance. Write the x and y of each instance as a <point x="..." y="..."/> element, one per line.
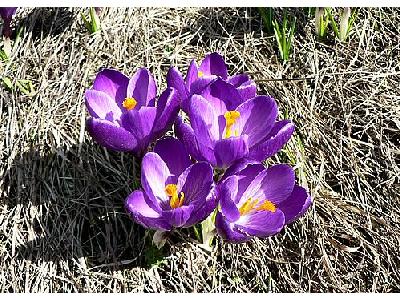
<point x="62" y="223"/>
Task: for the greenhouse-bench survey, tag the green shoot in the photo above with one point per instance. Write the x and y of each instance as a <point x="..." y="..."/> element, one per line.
<point x="197" y="232"/>
<point x="7" y="83"/>
<point x="347" y="18"/>
<point x="3" y="55"/>
<point x="26" y="87"/>
<point x="284" y="35"/>
<point x="267" y="14"/>
<point x="93" y="25"/>
<point x="321" y="22"/>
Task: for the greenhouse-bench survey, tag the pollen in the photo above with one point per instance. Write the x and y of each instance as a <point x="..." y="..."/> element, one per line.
<point x="200" y="74"/>
<point x="129" y="103"/>
<point x="172" y="191"/>
<point x="231" y="118"/>
<point x="248" y="206"/>
<point x="268" y="206"/>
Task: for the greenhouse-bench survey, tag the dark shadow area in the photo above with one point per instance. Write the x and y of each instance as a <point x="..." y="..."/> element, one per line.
<point x="72" y="205"/>
<point x="44" y="21"/>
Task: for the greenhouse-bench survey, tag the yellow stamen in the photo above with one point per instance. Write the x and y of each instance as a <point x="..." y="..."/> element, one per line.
<point x="248" y="206"/>
<point x="267" y="205"/>
<point x="129" y="103"/>
<point x="230" y="117"/>
<point x="172" y="191"/>
<point x="200" y="74"/>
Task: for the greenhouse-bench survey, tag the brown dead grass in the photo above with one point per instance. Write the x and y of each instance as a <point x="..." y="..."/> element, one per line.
<point x="62" y="223"/>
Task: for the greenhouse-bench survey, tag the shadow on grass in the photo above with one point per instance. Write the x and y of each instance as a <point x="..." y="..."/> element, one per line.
<point x="72" y="204"/>
<point x="44" y="21"/>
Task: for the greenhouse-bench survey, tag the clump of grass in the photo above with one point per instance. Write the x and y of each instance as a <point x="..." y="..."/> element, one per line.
<point x="284" y="35"/>
<point x="346" y="22"/>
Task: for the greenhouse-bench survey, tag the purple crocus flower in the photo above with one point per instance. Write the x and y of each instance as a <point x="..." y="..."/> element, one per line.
<point x="175" y="192"/>
<point x="255" y="201"/>
<point x="125" y="115"/>
<point x="223" y="129"/>
<point x="211" y="68"/>
<point x="6" y="14"/>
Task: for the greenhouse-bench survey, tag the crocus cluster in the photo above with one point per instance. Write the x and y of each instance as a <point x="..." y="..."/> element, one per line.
<point x="213" y="163"/>
<point x="6" y="14"/>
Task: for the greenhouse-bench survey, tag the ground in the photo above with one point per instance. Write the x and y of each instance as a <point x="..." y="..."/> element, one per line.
<point x="62" y="222"/>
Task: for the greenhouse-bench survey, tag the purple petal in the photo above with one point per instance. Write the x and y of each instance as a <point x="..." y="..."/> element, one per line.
<point x="247" y="91"/>
<point x="198" y="151"/>
<point x="201" y="212"/>
<point x="227" y="232"/>
<point x="100" y="105"/>
<point x="241" y="166"/>
<point x="196" y="183"/>
<point x="296" y="204"/>
<point x="142" y="87"/>
<point x="177" y="217"/>
<point x="227" y="193"/>
<point x="246" y="87"/>
<point x="276" y="139"/>
<point x="257" y="117"/>
<point x="154" y="176"/>
<point x="186" y="134"/>
<point x="113" y="83"/>
<point x="7" y="12"/>
<point x="175" y="80"/>
<point x="140" y="124"/>
<point x="143" y="214"/>
<point x="262" y="223"/>
<point x="174" y="154"/>
<point x="246" y="171"/>
<point x="203" y="120"/>
<point x="200" y="84"/>
<point x="222" y="96"/>
<point x="167" y="111"/>
<point x="214" y="64"/>
<point x="227" y="151"/>
<point x="277" y="184"/>
<point x="110" y="135"/>
<point x="305" y="207"/>
<point x="192" y="74"/>
<point x="197" y="87"/>
<point x="207" y="154"/>
<point x="238" y="79"/>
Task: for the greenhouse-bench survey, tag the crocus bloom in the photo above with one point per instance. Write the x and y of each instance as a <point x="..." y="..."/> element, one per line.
<point x="124" y="113"/>
<point x="175" y="192"/>
<point x="223" y="129"/>
<point x="6" y="14"/>
<point x="255" y="201"/>
<point x="211" y="68"/>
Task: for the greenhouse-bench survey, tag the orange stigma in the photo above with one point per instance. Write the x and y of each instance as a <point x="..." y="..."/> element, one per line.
<point x="268" y="206"/>
<point x="172" y="191"/>
<point x="129" y="103"/>
<point x="230" y="118"/>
